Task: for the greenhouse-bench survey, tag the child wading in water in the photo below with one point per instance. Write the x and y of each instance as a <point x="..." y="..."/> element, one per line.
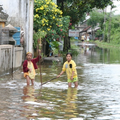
<point x="29" y="67"/>
<point x="70" y="68"/>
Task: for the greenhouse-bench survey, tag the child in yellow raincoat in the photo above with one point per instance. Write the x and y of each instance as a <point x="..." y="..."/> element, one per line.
<point x="70" y="68"/>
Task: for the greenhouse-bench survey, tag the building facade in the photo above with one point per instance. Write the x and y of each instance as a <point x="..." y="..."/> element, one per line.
<point x="20" y="14"/>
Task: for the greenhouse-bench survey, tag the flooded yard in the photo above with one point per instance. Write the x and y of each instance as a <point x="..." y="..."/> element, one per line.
<point x="96" y="98"/>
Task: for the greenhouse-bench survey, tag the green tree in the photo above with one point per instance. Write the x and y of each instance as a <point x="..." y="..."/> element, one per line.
<point x="110" y="18"/>
<point x="36" y="36"/>
<point x="77" y="8"/>
<point x="115" y="29"/>
<point x="48" y="18"/>
<point x="96" y="17"/>
<point x="112" y="26"/>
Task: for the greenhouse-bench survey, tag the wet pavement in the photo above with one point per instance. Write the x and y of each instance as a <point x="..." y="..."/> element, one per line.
<point x="96" y="98"/>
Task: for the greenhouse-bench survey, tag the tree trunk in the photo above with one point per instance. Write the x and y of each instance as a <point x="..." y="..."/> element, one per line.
<point x="104" y="24"/>
<point x="92" y="34"/>
<point x="62" y="5"/>
<point x="67" y="44"/>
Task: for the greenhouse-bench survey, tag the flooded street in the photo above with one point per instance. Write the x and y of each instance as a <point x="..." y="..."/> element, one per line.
<point x="96" y="98"/>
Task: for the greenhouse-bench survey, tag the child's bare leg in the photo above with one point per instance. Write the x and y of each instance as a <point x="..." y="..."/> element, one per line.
<point x="69" y="84"/>
<point x="28" y="80"/>
<point x="32" y="81"/>
<point x="76" y="84"/>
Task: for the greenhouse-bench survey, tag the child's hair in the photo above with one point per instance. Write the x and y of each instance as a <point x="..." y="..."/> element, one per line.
<point x="69" y="54"/>
<point x="28" y="53"/>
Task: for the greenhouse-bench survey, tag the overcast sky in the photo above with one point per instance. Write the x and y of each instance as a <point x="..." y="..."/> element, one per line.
<point x="117" y="9"/>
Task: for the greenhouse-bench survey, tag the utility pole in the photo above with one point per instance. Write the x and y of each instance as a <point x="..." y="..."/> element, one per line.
<point x="109" y="26"/>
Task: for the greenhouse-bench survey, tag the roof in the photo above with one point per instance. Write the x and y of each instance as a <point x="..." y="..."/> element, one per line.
<point x="95" y="29"/>
<point x="3" y="20"/>
<point x="85" y="29"/>
<point x="10" y="27"/>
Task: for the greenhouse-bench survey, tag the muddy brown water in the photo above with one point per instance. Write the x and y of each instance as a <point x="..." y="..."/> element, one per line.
<point x="96" y="98"/>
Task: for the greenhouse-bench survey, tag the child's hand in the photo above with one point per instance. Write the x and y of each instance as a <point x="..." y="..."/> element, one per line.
<point x="39" y="51"/>
<point x="71" y="78"/>
<point x="30" y="70"/>
<point x="58" y="76"/>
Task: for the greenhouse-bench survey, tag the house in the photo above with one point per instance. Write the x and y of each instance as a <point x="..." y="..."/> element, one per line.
<point x="85" y="29"/>
<point x="10" y="55"/>
<point x="3" y="17"/>
<point x="20" y="14"/>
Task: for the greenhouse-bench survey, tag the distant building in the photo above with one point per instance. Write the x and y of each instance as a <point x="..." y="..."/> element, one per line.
<point x="85" y="29"/>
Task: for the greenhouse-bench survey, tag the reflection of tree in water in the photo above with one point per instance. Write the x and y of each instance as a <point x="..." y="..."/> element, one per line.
<point x="53" y="67"/>
<point x="70" y="109"/>
<point x="29" y="94"/>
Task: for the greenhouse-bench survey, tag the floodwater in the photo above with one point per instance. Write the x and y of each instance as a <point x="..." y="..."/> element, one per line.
<point x="96" y="98"/>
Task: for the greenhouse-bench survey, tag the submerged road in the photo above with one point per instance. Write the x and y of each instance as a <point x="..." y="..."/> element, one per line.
<point x="97" y="96"/>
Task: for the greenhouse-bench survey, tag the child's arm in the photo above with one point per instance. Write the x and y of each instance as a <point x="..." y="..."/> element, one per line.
<point x="73" y="70"/>
<point x="25" y="68"/>
<point x="60" y="74"/>
<point x="37" y="58"/>
<point x="63" y="70"/>
<point x="72" y="75"/>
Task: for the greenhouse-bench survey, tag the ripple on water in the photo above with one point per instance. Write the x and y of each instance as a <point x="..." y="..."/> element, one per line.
<point x="43" y="118"/>
<point x="76" y="119"/>
<point x="97" y="96"/>
<point x="105" y="118"/>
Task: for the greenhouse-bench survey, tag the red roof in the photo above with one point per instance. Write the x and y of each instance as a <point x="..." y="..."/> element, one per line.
<point x="85" y="29"/>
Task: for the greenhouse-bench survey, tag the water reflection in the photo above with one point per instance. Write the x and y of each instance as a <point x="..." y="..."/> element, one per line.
<point x="29" y="97"/>
<point x="89" y="53"/>
<point x="71" y="105"/>
<point x="96" y="98"/>
<point x="60" y="103"/>
<point x="85" y="49"/>
<point x="29" y="94"/>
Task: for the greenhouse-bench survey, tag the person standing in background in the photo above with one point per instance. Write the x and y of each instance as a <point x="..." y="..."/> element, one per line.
<point x="88" y="38"/>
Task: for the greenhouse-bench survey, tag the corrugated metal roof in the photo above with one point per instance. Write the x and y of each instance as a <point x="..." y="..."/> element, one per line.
<point x="85" y="29"/>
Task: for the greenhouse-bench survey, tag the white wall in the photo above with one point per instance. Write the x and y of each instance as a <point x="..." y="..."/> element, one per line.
<point x="10" y="56"/>
<point x="21" y="15"/>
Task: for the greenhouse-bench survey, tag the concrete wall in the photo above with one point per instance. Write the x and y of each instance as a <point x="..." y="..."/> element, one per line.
<point x="10" y="56"/>
<point x="21" y="15"/>
<point x="17" y="61"/>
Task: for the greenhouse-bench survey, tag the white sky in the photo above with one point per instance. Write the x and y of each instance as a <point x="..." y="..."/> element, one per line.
<point x="117" y="9"/>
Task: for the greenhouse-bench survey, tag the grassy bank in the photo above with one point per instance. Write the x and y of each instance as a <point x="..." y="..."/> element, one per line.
<point x="105" y="44"/>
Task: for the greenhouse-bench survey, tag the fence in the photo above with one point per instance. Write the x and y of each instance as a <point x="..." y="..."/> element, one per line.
<point x="10" y="57"/>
